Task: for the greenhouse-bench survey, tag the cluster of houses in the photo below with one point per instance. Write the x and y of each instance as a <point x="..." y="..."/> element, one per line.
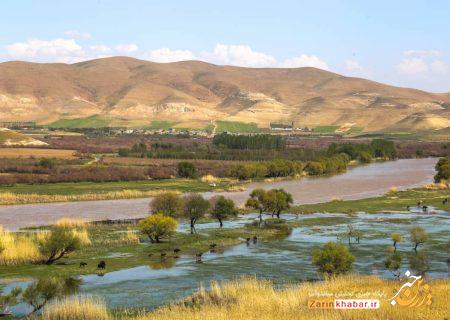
<point x="288" y="127"/>
<point x="170" y="131"/>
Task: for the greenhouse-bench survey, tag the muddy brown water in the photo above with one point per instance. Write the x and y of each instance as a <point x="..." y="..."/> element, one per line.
<point x="357" y="183"/>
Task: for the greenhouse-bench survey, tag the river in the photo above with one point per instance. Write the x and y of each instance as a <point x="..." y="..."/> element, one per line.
<point x="358" y="182"/>
<point x="284" y="261"/>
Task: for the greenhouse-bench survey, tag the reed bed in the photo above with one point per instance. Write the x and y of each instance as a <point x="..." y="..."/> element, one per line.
<point x="251" y="299"/>
<point x="12" y="198"/>
<point x="76" y="308"/>
<point x="209" y="178"/>
<point x="441" y="185"/>
<point x="18" y="249"/>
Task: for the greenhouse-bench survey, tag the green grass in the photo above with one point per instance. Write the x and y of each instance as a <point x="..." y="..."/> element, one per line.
<point x="158" y="125"/>
<point x="237" y="127"/>
<point x="396" y="136"/>
<point x="183" y="185"/>
<point x="121" y="256"/>
<point x="95" y="121"/>
<point x="325" y="129"/>
<point x="355" y="130"/>
<point x="394" y="202"/>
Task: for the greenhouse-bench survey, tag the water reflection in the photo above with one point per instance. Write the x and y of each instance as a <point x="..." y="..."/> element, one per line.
<point x="284" y="260"/>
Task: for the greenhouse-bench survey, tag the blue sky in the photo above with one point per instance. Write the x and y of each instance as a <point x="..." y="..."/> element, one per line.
<point x="405" y="43"/>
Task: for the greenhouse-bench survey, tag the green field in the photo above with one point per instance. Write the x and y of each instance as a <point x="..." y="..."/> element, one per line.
<point x="237" y="127"/>
<point x="95" y="121"/>
<point x="325" y="129"/>
<point x="397" y="201"/>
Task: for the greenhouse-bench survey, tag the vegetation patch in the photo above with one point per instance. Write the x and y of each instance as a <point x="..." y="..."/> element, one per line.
<point x="325" y="129"/>
<point x="401" y="202"/>
<point x="237" y="127"/>
<point x="95" y="121"/>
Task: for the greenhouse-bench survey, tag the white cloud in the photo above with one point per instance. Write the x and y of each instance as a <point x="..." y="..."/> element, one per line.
<point x="69" y="51"/>
<point x="439" y="66"/>
<point x="305" y="60"/>
<point x="75" y="34"/>
<point x="422" y="53"/>
<point x="57" y="50"/>
<point x="422" y="62"/>
<point x="168" y="55"/>
<point x="238" y="55"/>
<point x="100" y="48"/>
<point x="127" y="48"/>
<point x="412" y="66"/>
<point x="353" y="65"/>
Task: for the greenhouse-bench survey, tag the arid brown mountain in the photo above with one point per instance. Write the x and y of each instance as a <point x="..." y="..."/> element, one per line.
<point x="127" y="91"/>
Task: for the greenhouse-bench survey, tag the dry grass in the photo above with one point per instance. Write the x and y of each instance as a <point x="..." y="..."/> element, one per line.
<point x="70" y="223"/>
<point x="36" y="153"/>
<point x="76" y="308"/>
<point x="393" y="190"/>
<point x="130" y="237"/>
<point x="209" y="178"/>
<point x="17" y="249"/>
<point x="8" y="198"/>
<point x="442" y="185"/>
<point x="250" y="299"/>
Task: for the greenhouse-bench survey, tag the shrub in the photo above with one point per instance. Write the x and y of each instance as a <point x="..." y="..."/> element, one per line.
<point x="333" y="259"/>
<point x="222" y="208"/>
<point x="418" y="236"/>
<point x="157" y="226"/>
<point x="314" y="168"/>
<point x="63" y="238"/>
<point x="365" y="157"/>
<point x="159" y="173"/>
<point x="187" y="170"/>
<point x="277" y="200"/>
<point x="443" y="169"/>
<point x="42" y="291"/>
<point x="46" y="163"/>
<point x="396" y="238"/>
<point x="393" y="263"/>
<point x="167" y="203"/>
<point x="209" y="178"/>
<point x="195" y="207"/>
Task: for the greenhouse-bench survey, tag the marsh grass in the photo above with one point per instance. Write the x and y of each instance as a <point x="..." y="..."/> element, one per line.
<point x="13" y="198"/>
<point x="258" y="299"/>
<point x="399" y="202"/>
<point x="76" y="308"/>
<point x="18" y="248"/>
<point x="209" y="178"/>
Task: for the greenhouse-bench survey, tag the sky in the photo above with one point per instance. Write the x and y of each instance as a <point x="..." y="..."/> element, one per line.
<point x="403" y="43"/>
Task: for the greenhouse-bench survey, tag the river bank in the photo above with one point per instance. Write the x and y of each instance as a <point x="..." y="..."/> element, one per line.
<point x="360" y="182"/>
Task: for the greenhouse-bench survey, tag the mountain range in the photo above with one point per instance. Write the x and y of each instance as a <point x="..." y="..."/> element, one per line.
<point x="123" y="91"/>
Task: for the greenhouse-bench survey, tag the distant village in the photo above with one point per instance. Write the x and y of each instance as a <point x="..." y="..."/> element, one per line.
<point x="112" y="131"/>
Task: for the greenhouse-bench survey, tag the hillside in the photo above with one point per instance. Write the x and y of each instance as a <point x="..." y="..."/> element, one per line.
<point x="12" y="138"/>
<point x="123" y="91"/>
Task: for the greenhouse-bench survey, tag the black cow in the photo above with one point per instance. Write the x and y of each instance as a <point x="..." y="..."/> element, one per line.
<point x="101" y="265"/>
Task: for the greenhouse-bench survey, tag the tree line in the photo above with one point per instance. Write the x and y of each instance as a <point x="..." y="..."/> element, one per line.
<point x="257" y="141"/>
<point x="290" y="168"/>
<point x="377" y="148"/>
